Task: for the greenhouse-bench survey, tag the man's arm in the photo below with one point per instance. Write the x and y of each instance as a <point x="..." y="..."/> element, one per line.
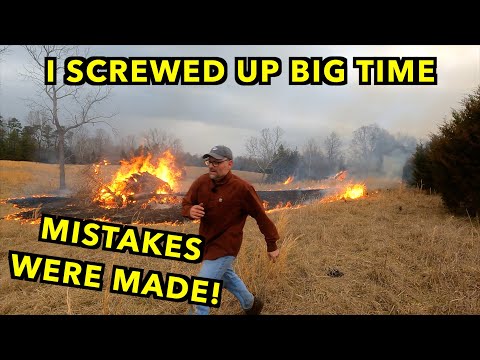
<point x="189" y="200"/>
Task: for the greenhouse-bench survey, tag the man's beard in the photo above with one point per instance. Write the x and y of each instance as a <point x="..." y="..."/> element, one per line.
<point x="215" y="176"/>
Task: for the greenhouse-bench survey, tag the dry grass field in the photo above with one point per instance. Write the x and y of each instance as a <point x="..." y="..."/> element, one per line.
<point x="394" y="251"/>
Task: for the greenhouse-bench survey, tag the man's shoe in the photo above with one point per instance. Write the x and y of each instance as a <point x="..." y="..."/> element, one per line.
<point x="256" y="308"/>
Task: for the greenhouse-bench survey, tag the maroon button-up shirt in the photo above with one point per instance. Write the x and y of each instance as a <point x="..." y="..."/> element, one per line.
<point x="227" y="204"/>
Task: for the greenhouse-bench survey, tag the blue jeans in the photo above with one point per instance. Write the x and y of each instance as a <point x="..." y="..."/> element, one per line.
<point x="221" y="269"/>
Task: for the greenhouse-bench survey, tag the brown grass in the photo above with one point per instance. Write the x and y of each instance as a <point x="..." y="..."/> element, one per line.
<point x="398" y="251"/>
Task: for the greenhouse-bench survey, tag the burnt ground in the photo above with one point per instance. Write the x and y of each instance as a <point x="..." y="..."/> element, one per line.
<point x="34" y="207"/>
<point x="141" y="213"/>
<point x="280" y="198"/>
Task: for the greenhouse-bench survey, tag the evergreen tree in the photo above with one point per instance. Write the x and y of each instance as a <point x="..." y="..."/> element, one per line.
<point x="455" y="158"/>
<point x="421" y="172"/>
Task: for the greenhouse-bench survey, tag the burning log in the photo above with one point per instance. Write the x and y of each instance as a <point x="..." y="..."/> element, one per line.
<point x="138" y="187"/>
<point x="146" y="183"/>
<point x="341" y="175"/>
<point x="157" y="198"/>
<point x="144" y="187"/>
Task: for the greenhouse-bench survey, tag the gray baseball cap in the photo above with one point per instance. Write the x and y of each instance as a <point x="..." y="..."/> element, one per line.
<point x="219" y="152"/>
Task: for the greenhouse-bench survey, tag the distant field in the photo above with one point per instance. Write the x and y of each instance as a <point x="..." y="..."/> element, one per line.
<point x="394" y="251"/>
<point x="29" y="178"/>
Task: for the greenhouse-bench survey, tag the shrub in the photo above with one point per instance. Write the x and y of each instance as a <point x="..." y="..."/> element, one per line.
<point x="454" y="157"/>
<point x="421" y="168"/>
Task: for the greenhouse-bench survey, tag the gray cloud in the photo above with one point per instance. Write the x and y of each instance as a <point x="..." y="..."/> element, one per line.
<point x="202" y="116"/>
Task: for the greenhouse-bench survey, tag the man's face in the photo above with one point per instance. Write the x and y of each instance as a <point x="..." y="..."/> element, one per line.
<point x="217" y="169"/>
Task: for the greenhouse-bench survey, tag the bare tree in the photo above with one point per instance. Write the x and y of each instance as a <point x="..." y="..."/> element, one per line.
<point x="311" y="153"/>
<point x="81" y="145"/>
<point x="69" y="107"/>
<point x="369" y="145"/>
<point x="128" y="145"/>
<point x="38" y="120"/>
<point x="264" y="149"/>
<point x="102" y="142"/>
<point x="362" y="147"/>
<point x="4" y="50"/>
<point x="158" y="141"/>
<point x="333" y="150"/>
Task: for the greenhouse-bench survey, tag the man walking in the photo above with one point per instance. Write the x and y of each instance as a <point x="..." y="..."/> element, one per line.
<point x="222" y="201"/>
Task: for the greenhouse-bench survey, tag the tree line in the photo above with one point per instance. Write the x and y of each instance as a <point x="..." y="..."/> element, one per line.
<point x="268" y="153"/>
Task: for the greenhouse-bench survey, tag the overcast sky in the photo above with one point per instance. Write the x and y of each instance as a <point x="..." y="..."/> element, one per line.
<point x="205" y="115"/>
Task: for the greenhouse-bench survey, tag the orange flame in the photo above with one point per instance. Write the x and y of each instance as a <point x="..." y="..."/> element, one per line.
<point x="352" y="191"/>
<point x="265" y="204"/>
<point x="97" y="166"/>
<point x="35" y="219"/>
<point x="164" y="171"/>
<point x="341" y="175"/>
<point x="288" y="181"/>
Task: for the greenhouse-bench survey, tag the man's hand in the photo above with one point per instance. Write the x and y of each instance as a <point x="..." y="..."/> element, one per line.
<point x="197" y="211"/>
<point x="272" y="255"/>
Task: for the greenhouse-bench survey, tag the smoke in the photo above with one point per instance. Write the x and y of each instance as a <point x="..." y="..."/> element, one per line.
<point x="63" y="192"/>
<point x="393" y="164"/>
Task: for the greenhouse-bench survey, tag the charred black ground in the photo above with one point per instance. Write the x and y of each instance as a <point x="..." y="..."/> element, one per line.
<point x="141" y="212"/>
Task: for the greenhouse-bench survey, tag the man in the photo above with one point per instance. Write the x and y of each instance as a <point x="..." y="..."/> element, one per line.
<point x="222" y="201"/>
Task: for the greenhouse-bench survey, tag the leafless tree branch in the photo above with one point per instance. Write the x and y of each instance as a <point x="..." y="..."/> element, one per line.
<point x="69" y="107"/>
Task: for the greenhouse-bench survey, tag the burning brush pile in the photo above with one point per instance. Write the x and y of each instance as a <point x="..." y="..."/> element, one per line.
<point x="142" y="190"/>
<point x="142" y="182"/>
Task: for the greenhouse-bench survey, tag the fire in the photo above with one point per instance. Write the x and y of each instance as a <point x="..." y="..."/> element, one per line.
<point x="288" y="181"/>
<point x="281" y="206"/>
<point x="349" y="192"/>
<point x="354" y="191"/>
<point x="140" y="176"/>
<point x="341" y="175"/>
<point x="265" y="204"/>
<point x="35" y="219"/>
<point x="97" y="166"/>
